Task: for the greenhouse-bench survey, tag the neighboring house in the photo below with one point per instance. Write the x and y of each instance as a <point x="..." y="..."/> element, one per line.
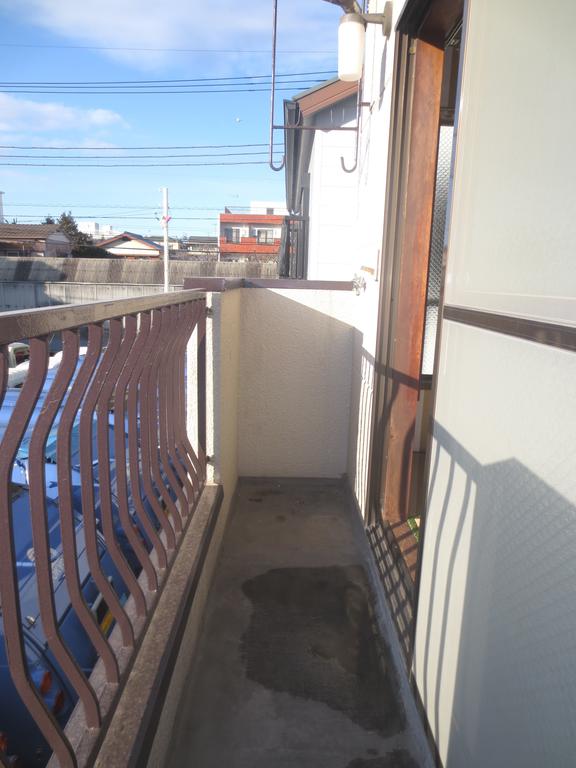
<point x="33" y="240"/>
<point x="322" y="196"/>
<point x="199" y="248"/>
<point x="250" y="236"/>
<point x="173" y="242"/>
<point x="131" y="246"/>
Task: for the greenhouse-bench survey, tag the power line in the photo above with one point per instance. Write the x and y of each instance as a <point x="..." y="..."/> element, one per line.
<point x="128" y="157"/>
<point x="131" y="165"/>
<point x="255" y="87"/>
<point x="124" y="218"/>
<point x="115" y="149"/>
<point x="130" y="207"/>
<point x="157" y="92"/>
<point x="164" y="50"/>
<point x="138" y="208"/>
<point x="87" y="83"/>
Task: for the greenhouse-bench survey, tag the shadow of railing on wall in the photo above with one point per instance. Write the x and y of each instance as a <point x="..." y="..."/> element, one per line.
<point x="496" y="608"/>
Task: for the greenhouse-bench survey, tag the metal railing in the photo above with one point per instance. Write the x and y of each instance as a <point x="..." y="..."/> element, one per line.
<point x="127" y="482"/>
<point x="293" y="255"/>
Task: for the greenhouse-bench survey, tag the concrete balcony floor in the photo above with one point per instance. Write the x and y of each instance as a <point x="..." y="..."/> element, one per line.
<point x="290" y="670"/>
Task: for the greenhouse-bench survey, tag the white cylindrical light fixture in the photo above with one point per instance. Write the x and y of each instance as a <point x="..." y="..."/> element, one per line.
<point x="351" y="34"/>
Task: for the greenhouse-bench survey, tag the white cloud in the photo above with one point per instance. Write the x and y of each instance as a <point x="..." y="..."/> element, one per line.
<point x="222" y="24"/>
<point x="34" y="116"/>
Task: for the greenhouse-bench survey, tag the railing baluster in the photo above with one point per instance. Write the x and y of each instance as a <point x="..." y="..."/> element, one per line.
<point x="134" y="447"/>
<point x="201" y="364"/>
<point x="70" y="345"/>
<point x="40" y="532"/>
<point x="188" y="454"/>
<point x="181" y="333"/>
<point x="151" y="402"/>
<point x="120" y="397"/>
<point x="197" y="308"/>
<point x="116" y="352"/>
<point x="186" y="470"/>
<point x="166" y="403"/>
<point x="158" y="480"/>
<point x="142" y="388"/>
<point x="87" y="485"/>
<point x="9" y="593"/>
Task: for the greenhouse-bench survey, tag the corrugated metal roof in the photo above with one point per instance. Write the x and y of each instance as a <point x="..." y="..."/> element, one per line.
<point x="28" y="231"/>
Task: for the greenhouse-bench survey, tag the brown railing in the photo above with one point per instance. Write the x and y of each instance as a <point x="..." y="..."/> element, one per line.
<point x="119" y="412"/>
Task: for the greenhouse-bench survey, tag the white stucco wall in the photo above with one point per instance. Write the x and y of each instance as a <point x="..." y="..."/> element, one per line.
<point x="333" y="226"/>
<point x="495" y="656"/>
<point x="295" y="382"/>
<point x="133" y="248"/>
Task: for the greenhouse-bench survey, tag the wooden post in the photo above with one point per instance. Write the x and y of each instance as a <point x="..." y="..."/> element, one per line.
<point x="411" y="256"/>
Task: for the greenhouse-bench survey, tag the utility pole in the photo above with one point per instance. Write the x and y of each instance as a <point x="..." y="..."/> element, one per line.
<point x="1" y="207"/>
<point x="165" y="220"/>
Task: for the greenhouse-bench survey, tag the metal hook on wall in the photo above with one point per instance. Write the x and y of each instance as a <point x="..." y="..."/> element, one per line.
<point x="272" y="94"/>
<point x="385" y="20"/>
<point x="359" y="103"/>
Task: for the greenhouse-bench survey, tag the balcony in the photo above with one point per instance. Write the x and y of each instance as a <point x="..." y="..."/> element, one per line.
<point x="249" y="245"/>
<point x="219" y="437"/>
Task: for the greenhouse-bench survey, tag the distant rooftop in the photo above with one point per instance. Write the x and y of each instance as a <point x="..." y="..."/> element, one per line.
<point x="28" y="231"/>
<point x="128" y="236"/>
<point x="210" y="239"/>
<point x="324" y="95"/>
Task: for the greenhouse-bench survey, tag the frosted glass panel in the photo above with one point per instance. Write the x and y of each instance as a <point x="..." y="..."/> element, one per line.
<point x="437" y="245"/>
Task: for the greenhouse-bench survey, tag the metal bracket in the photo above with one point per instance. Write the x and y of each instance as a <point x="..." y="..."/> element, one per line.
<point x="384" y="18"/>
<point x="357" y="129"/>
<point x="209" y="312"/>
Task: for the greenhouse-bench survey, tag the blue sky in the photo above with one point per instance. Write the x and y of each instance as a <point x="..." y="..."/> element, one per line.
<point x="68" y="40"/>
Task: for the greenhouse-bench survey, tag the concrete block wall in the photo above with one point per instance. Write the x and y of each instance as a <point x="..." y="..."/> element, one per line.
<point x="136" y="271"/>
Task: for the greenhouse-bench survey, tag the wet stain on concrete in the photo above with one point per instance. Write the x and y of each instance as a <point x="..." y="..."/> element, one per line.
<point x="398" y="758"/>
<point x="264" y="494"/>
<point x="311" y="635"/>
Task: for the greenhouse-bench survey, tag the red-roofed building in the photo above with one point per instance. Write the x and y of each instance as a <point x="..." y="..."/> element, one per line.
<point x="251" y="236"/>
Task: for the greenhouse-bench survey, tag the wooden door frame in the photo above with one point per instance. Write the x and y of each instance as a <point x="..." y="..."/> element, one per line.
<point x="408" y="228"/>
<point x="410" y="186"/>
